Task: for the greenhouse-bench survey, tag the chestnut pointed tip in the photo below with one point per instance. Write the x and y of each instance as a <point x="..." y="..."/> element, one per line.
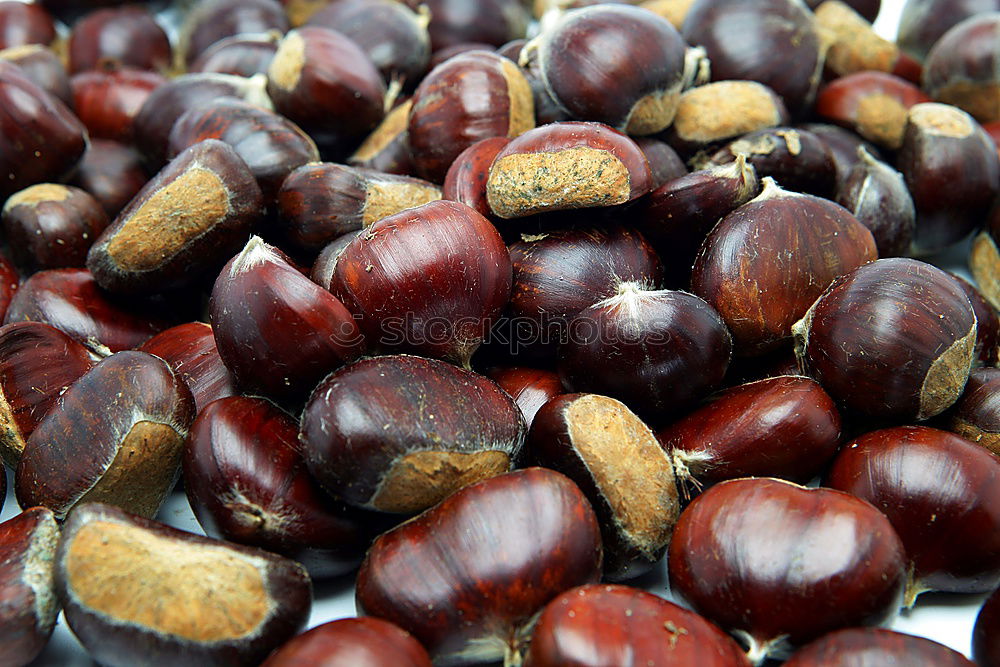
<point x="255" y="253"/>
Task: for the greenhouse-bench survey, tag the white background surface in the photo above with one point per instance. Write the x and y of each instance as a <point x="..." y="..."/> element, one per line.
<point x="944" y="618"/>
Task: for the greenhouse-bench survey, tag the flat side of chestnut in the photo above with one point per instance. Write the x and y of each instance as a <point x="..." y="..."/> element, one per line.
<point x="874" y="104"/>
<point x="703" y="118"/>
<point x="138" y="591"/>
<point x="852" y="44"/>
<point x="352" y="642"/>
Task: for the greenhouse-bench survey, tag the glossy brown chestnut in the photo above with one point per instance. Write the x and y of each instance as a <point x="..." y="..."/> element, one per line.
<point x="430" y="280"/>
<point x="181" y="225"/>
<point x="723" y="110"/>
<point x="494" y="22"/>
<point x="138" y="591"/>
<point x="289" y="336"/>
<point x="961" y="68"/>
<point x="785" y="427"/>
<point x="599" y="625"/>
<point x="240" y="55"/>
<point x="664" y="162"/>
<point x="564" y="166"/>
<point x="443" y="578"/>
<point x="387" y="148"/>
<point x="987" y="325"/>
<point x="270" y="145"/>
<point x="400" y="433"/>
<point x="471" y="97"/>
<point x="326" y="262"/>
<point x="976" y="415"/>
<point x="873" y="104"/>
<point x="923" y="22"/>
<point x="23" y="23"/>
<point x="247" y="483"/>
<point x="190" y="351"/>
<point x="531" y="388"/>
<point x="112" y="173"/>
<point x="37" y="364"/>
<point x="779" y="565"/>
<point x="875" y="646"/>
<point x="352" y="642"/>
<point x="466" y="179"/>
<point x="765" y="263"/>
<point x="321" y="202"/>
<point x="41" y="65"/>
<point x="212" y="21"/>
<point x="941" y="493"/>
<point x="27" y="585"/>
<point x="985" y="648"/>
<point x="616" y="461"/>
<point x="121" y="36"/>
<point x="107" y="101"/>
<point x="893" y="339"/>
<point x="876" y="194"/>
<point x="115" y="436"/>
<point x="843" y="145"/>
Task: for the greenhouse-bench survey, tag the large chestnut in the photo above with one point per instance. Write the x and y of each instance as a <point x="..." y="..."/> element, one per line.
<point x="876" y="194"/>
<point x="875" y="646"/>
<point x="25" y="23"/>
<point x="191" y="352"/>
<point x="121" y="36"/>
<point x="352" y="642"/>
<point x="962" y="69"/>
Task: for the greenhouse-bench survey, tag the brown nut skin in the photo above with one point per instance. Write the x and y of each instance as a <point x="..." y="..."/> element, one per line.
<point x="183" y="224"/>
<point x="599" y="625"/>
<point x="531" y="388"/>
<point x="664" y="162"/>
<point x="987" y="325"/>
<point x="976" y="414"/>
<point x="876" y="194"/>
<point x="779" y="565"/>
<point x="247" y="483"/>
<point x="112" y="173"/>
<point x="40" y="139"/>
<point x="387" y="148"/>
<point x="985" y="648"/>
<point x="240" y="55"/>
<point x="843" y="145"/>
<point x="871" y="646"/>
<point x="565" y="166"/>
<point x="41" y="65"/>
<point x="893" y="339"/>
<point x="614" y="64"/>
<point x="616" y="461"/>
<point x="212" y="21"/>
<point x="191" y="352"/>
<point x="765" y="263"/>
<point x="941" y="493"/>
<point x="107" y="101"/>
<point x="123" y="36"/>
<point x="416" y="430"/>
<point x="466" y="179"/>
<point x="442" y="577"/>
<point x="493" y="22"/>
<point x="325" y="83"/>
<point x="28" y="604"/>
<point x="254" y="602"/>
<point x="289" y="336"/>
<point x="116" y="436"/>
<point x="961" y="68"/>
<point x="430" y="280"/>
<point x="322" y="201"/>
<point x="351" y="642"/>
<point x="22" y="24"/>
<point x="785" y="427"/>
<point x="923" y="22"/>
<point x="271" y="145"/>
<point x="37" y="364"/>
<point x="50" y="226"/>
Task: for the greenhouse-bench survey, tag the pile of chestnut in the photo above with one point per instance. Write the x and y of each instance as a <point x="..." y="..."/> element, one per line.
<point x="494" y="305"/>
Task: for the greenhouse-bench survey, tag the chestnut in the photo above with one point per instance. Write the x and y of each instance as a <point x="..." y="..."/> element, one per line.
<point x="985" y="649"/>
<point x="941" y="493"/>
<point x="41" y="65"/>
<point x="247" y="482"/>
<point x="466" y="576"/>
<point x="987" y="324"/>
<point x="876" y="194"/>
<point x="565" y="166"/>
<point x="121" y="36"/>
<point x="873" y="104"/>
<point x="214" y="20"/>
<point x="50" y="226"/>
<point x="851" y="43"/>
<point x="289" y="336"/>
<point x="765" y="263"/>
<point x="923" y="22"/>
<point x="23" y="23"/>
<point x="976" y="415"/>
<point x="785" y="427"/>
<point x="108" y="100"/>
<point x="984" y="259"/>
<point x="326" y="262"/>
<point x="27" y="584"/>
<point x="494" y="22"/>
<point x="399" y="433"/>
<point x="473" y="96"/>
<point x="137" y="591"/>
<point x="961" y="68"/>
<point x="387" y="148"/>
<point x="616" y="461"/>
<point x="636" y="628"/>
<point x="614" y="64"/>
<point x="844" y="648"/>
<point x="467" y="176"/>
<point x="241" y="55"/>
<point x="112" y="173"/>
<point x="531" y="388"/>
<point x="843" y="145"/>
<point x="779" y="565"/>
<point x="352" y="642"/>
<point x="664" y="162"/>
<point x="191" y="352"/>
<point x="430" y="280"/>
<point x="447" y="53"/>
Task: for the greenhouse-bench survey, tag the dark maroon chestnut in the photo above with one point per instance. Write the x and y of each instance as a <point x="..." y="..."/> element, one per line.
<point x="779" y="565"/>
<point x="23" y="23"/>
<point x="27" y="584"/>
<point x="387" y="148"/>
<point x="107" y="101"/>
<point x="419" y="429"/>
<point x="785" y="427"/>
<point x="875" y="646"/>
<point x="431" y="280"/>
<point x="923" y="22"/>
<point x="852" y="45"/>
<point x="893" y="339"/>
<point x="445" y="578"/>
<point x="494" y="22"/>
<point x="270" y="145"/>
<point x="961" y="68"/>
<point x="664" y="162"/>
<point x="614" y="64"/>
<point x="247" y="483"/>
<point x="191" y="352"/>
<point x="467" y="176"/>
<point x="765" y="263"/>
<point x="942" y="495"/>
<point x="289" y="335"/>
<point x="876" y="194"/>
<point x="598" y="625"/>
<point x="564" y="166"/>
<point x="240" y="55"/>
<point x="41" y="65"/>
<point x="210" y="22"/>
<point x="985" y="648"/>
<point x="987" y="324"/>
<point x="723" y="110"/>
<point x="50" y="226"/>
<point x="616" y="461"/>
<point x="121" y="36"/>
<point x="326" y="262"/>
<point x="843" y="145"/>
<point x="321" y="202"/>
<point x="659" y="351"/>
<point x="531" y="388"/>
<point x="352" y="642"/>
<point x="112" y="172"/>
<point x="470" y="97"/>
<point x="952" y="170"/>
<point x="137" y="591"/>
<point x="976" y="415"/>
